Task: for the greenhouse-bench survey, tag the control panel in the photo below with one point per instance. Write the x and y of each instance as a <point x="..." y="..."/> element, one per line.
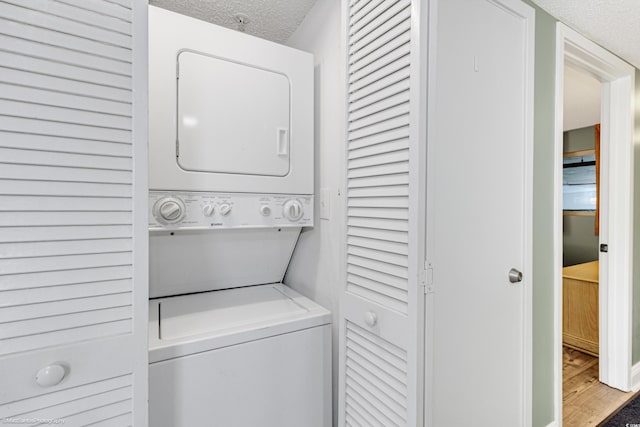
<point x="191" y="210"/>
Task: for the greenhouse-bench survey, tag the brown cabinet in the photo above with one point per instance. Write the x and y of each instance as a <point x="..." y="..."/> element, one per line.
<point x="580" y="307"/>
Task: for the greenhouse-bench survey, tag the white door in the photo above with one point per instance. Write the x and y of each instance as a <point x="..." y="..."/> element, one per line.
<point x="73" y="263"/>
<point x="381" y="380"/>
<point x="232" y="117"/>
<point x="479" y="210"/>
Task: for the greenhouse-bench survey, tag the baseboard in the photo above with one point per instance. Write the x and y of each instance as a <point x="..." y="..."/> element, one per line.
<point x="635" y="377"/>
<point x="553" y="424"/>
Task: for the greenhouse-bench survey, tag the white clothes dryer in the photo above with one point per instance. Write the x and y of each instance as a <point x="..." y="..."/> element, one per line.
<point x="228" y="112"/>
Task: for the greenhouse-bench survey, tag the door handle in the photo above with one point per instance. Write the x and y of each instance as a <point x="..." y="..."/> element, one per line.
<point x="282" y="142"/>
<point x="515" y="275"/>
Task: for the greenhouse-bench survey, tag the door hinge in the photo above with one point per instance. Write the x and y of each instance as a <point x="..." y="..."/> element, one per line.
<point x="426" y="278"/>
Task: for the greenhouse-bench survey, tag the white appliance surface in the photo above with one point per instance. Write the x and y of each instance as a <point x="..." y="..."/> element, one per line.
<point x="206" y="211"/>
<point x="254" y="356"/>
<point x="232" y="118"/>
<point x="215" y="312"/>
<point x="283" y="380"/>
<point x="187" y="324"/>
<point x="228" y="112"/>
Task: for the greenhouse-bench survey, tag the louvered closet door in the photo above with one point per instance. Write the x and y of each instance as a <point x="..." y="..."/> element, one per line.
<point x="73" y="286"/>
<point x="382" y="300"/>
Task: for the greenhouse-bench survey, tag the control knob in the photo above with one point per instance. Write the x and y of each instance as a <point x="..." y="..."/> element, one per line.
<point x="169" y="210"/>
<point x="208" y="210"/>
<point x="225" y="209"/>
<point x="265" y="210"/>
<point x="293" y="210"/>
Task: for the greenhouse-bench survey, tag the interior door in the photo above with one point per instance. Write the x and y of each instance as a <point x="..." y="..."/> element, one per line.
<point x="381" y="305"/>
<point x="73" y="217"/>
<point x="479" y="235"/>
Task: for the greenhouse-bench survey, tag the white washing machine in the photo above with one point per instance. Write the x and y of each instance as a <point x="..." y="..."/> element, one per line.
<point x="252" y="356"/>
<point x="231" y="179"/>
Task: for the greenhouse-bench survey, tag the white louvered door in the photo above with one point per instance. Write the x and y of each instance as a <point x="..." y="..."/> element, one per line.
<point x="73" y="244"/>
<point x="382" y="301"/>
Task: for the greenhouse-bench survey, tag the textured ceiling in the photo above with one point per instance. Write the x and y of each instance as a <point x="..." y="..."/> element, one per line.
<point x="581" y="99"/>
<point x="613" y="24"/>
<point x="273" y="20"/>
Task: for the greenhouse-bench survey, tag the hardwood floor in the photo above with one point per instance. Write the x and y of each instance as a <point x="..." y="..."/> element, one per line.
<point x="586" y="401"/>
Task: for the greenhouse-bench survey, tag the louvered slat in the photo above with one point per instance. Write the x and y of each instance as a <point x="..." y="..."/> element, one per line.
<point x="380" y="12"/>
<point x="60" y="278"/>
<point x="66" y="175"/>
<point x="51" y="145"/>
<point x="365" y="7"/>
<point x="383" y="191"/>
<point x="384" y="235"/>
<point x="380" y="277"/>
<point x="25" y="62"/>
<point x="381" y="28"/>
<point x="49" y="400"/>
<point x="57" y="308"/>
<point x="102" y="7"/>
<point x="11" y="332"/>
<point x="89" y="404"/>
<point x="33" y="78"/>
<point x="381" y="115"/>
<point x="377" y="292"/>
<point x="378" y="265"/>
<point x="27" y="31"/>
<point x="382" y="245"/>
<point x="64" y="292"/>
<point x="59" y="234"/>
<point x="375" y="378"/>
<point x="59" y="99"/>
<point x="85" y="15"/>
<point x="386" y="136"/>
<point x="19" y="45"/>
<point x="40" y="249"/>
<point x="379" y="170"/>
<point x="36" y="15"/>
<point x="395" y="145"/>
<point x="377" y="107"/>
<point x="63" y="204"/>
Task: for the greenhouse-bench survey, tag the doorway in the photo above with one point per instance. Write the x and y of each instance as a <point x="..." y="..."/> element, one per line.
<point x="586" y="401"/>
<point x="615" y="269"/>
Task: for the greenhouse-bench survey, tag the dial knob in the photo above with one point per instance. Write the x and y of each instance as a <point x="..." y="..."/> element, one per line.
<point x="169" y="210"/>
<point x="293" y="210"/>
<point x="265" y="210"/>
<point x="225" y="209"/>
<point x="208" y="210"/>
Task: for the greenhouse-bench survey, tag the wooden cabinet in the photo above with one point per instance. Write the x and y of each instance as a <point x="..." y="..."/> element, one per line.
<point x="580" y="307"/>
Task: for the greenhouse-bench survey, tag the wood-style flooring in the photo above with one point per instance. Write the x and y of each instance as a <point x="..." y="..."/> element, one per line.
<point x="586" y="401"/>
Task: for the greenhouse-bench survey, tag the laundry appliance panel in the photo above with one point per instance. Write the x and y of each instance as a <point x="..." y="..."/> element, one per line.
<point x="255" y="356"/>
<point x="227" y="111"/>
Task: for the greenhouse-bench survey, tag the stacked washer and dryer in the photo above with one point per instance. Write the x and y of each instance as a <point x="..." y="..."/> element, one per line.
<point x="231" y="186"/>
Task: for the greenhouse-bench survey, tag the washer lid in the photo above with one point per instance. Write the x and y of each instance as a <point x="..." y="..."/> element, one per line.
<point x="233" y="309"/>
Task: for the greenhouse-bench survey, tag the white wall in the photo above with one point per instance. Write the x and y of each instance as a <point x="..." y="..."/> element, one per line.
<point x="316" y="269"/>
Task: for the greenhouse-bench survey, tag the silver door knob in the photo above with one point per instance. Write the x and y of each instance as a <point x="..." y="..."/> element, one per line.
<point x="515" y="275"/>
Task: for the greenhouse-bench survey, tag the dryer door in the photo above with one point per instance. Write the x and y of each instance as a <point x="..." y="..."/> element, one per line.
<point x="232" y="118"/>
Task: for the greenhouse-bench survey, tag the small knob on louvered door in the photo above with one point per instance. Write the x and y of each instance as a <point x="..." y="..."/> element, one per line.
<point x="51" y="375"/>
<point x="371" y="319"/>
